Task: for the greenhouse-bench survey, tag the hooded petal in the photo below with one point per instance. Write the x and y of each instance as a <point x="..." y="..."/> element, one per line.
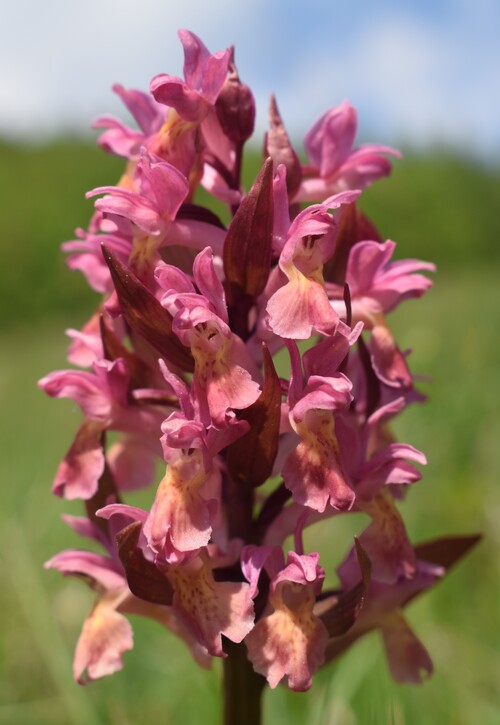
<point x="204" y="77"/>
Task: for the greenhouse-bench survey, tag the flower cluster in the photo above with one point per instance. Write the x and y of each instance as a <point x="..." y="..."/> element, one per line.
<point x="179" y="363"/>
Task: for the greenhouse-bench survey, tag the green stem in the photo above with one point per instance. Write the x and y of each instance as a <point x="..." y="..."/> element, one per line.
<point x="242" y="688"/>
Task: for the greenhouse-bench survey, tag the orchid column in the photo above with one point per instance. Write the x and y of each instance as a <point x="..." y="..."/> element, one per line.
<point x="179" y="360"/>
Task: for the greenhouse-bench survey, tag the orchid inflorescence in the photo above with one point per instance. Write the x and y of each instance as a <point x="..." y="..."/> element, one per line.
<point x="179" y="364"/>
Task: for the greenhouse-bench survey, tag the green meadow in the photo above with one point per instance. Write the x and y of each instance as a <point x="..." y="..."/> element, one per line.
<point x="436" y="207"/>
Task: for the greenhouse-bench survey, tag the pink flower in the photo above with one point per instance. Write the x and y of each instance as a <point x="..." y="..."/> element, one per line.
<point x="123" y="141"/>
<point x="187" y="500"/>
<point x="289" y="640"/>
<point x="378" y="286"/>
<point x="224" y="370"/>
<point x="106" y="633"/>
<point x="256" y="448"/>
<point x="386" y="541"/>
<point x="313" y="471"/>
<point x="301" y="305"/>
<point x="335" y="166"/>
<point x="408" y="659"/>
<point x="204" y="77"/>
<point x="149" y="215"/>
<point x="103" y="397"/>
<point x="85" y="254"/>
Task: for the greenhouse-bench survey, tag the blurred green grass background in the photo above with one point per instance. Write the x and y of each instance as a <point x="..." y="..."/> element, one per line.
<point x="436" y="207"/>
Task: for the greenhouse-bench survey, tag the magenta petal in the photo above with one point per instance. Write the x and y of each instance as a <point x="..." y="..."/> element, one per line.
<point x="325" y="357"/>
<point x="216" y="185"/>
<point x="330" y="140"/>
<point x="202" y="70"/>
<point x="118" y="138"/>
<point x="371" y="275"/>
<point x="301" y="569"/>
<point x="84" y="388"/>
<point x="389" y="466"/>
<point x="145" y="111"/>
<point x="173" y="92"/>
<point x="195" y="234"/>
<point x="134" y="207"/>
<point x="362" y="169"/>
<point x="323" y="393"/>
<point x="253" y="559"/>
<point x="164" y="185"/>
<point x="86" y="528"/>
<point x="86" y="347"/>
<point x="366" y="260"/>
<point x="101" y="570"/>
<point x="208" y="283"/>
<point x="121" y="509"/>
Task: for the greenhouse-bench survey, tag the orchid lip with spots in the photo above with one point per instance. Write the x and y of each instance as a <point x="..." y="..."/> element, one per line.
<point x="179" y="361"/>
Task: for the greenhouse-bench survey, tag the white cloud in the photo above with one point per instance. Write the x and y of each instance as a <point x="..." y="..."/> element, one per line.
<point x="58" y="66"/>
<point x="410" y="81"/>
<point x="412" y="76"/>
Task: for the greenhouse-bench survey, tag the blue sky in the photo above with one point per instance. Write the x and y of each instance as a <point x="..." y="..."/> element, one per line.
<point x="419" y="72"/>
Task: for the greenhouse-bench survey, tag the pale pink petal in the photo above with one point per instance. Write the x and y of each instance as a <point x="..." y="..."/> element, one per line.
<point x="185" y="507"/>
<point x="388" y="361"/>
<point x="79" y="473"/>
<point x="299" y="308"/>
<point x="105" y="636"/>
<point x="132" y="462"/>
